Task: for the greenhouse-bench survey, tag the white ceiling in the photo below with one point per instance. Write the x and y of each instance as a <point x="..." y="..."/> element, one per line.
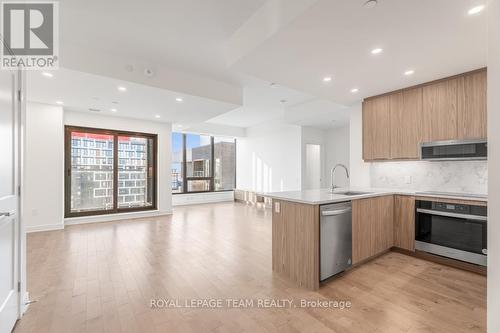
<point x="187" y="35"/>
<point x="261" y="102"/>
<point x="436" y="38"/>
<point x="217" y="48"/>
<point x="80" y="91"/>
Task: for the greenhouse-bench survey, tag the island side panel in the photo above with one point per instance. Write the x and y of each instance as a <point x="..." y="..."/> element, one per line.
<point x="295" y="242"/>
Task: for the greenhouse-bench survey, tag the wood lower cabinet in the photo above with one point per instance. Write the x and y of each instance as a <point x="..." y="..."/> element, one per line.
<point x="404" y="222"/>
<point x="372" y="227"/>
<point x="295" y="242"/>
<point x="472" y="118"/>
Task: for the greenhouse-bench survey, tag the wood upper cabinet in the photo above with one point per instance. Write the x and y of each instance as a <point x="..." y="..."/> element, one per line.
<point x="405" y="124"/>
<point x="439" y="111"/>
<point x="372" y="226"/>
<point x="404" y="222"/>
<point x="395" y="124"/>
<point x="376" y="132"/>
<point x="472" y="119"/>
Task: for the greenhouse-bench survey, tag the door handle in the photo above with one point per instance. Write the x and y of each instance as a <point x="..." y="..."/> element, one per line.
<point x="335" y="212"/>
<point x="7" y="214"/>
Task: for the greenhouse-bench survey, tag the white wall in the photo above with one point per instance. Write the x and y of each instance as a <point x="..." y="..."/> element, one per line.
<point x="43" y="182"/>
<point x="43" y="175"/>
<point x="337" y="151"/>
<point x="164" y="132"/>
<point x="493" y="9"/>
<point x="360" y="171"/>
<point x="310" y="135"/>
<point x="268" y="159"/>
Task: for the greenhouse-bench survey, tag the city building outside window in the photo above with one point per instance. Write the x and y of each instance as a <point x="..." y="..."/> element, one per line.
<point x="109" y="171"/>
<point x="202" y="163"/>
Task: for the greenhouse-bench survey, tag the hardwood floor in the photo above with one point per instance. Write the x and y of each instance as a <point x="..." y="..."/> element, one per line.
<point x="102" y="277"/>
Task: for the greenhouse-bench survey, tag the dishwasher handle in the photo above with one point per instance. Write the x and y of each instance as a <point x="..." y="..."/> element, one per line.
<point x="335" y="212"/>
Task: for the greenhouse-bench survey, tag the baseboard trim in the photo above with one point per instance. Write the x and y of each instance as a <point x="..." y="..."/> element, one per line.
<point x="26" y="303"/>
<point x="44" y="227"/>
<point x="115" y="217"/>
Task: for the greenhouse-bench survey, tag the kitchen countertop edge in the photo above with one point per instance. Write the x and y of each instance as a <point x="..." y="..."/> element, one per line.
<point x="288" y="196"/>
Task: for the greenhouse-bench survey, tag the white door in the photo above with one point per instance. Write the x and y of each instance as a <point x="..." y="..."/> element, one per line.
<point x="9" y="230"/>
<point x="313" y="167"/>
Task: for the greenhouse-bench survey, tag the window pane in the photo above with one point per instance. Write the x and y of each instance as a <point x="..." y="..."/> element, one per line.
<point x="135" y="172"/>
<point x="224" y="164"/>
<point x="91" y="172"/>
<point x="177" y="159"/>
<point x="198" y="155"/>
<point x="198" y="185"/>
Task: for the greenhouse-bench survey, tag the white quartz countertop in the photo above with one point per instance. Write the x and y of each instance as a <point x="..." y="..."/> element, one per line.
<point x="324" y="196"/>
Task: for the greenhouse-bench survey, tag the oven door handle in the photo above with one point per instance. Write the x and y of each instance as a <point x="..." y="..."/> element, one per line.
<point x="460" y="216"/>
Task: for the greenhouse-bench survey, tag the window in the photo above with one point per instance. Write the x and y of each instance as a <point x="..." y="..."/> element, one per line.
<point x="225" y="164"/>
<point x="177" y="162"/>
<point x="109" y="171"/>
<point x="202" y="163"/>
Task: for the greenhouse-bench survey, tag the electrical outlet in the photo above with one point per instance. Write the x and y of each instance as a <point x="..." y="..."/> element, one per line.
<point x="408" y="179"/>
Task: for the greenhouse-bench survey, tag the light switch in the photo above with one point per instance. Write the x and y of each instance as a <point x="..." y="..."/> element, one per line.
<point x="407" y="179"/>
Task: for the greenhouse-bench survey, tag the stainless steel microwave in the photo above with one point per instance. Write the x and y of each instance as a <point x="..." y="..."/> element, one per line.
<point x="454" y="150"/>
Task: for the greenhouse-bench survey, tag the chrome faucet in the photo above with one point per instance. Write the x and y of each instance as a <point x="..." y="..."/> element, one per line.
<point x="332" y="172"/>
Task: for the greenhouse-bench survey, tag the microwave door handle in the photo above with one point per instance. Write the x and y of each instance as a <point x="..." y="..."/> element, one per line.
<point x="456" y="215"/>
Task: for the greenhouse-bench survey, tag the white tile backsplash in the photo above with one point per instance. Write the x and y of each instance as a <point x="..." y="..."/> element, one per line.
<point x="452" y="176"/>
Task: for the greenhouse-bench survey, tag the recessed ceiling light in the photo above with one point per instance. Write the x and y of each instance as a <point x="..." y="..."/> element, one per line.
<point x="409" y="72"/>
<point x="354" y="90"/>
<point x="370" y="4"/>
<point x="377" y="50"/>
<point x="122" y="88"/>
<point x="475" y="10"/>
<point x="114" y="102"/>
<point x="47" y="74"/>
<point x="327" y="79"/>
<point x="114" y="110"/>
<point x="179" y="99"/>
<point x="157" y="116"/>
<point x="59" y="102"/>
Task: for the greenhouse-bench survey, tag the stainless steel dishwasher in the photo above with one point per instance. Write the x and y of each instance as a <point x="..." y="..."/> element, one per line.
<point x="335" y="238"/>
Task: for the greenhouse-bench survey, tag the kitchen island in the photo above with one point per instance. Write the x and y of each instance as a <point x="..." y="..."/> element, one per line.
<point x="381" y="219"/>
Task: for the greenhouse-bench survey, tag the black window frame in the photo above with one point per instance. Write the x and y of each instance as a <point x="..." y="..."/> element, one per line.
<point x="115" y="133"/>
<point x="211" y="178"/>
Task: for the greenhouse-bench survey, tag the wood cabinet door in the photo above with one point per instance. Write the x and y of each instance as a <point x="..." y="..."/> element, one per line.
<point x="404" y="222"/>
<point x="382" y="211"/>
<point x="376" y="128"/>
<point x="367" y="135"/>
<point x="361" y="230"/>
<point x="406" y="113"/>
<point x="472" y="115"/>
<point x="439" y="116"/>
<point x="372" y="226"/>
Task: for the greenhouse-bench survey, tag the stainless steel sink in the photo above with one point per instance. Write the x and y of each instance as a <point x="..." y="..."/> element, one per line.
<point x="351" y="193"/>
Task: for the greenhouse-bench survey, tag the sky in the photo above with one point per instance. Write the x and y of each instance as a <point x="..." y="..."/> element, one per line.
<point x="192" y="140"/>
